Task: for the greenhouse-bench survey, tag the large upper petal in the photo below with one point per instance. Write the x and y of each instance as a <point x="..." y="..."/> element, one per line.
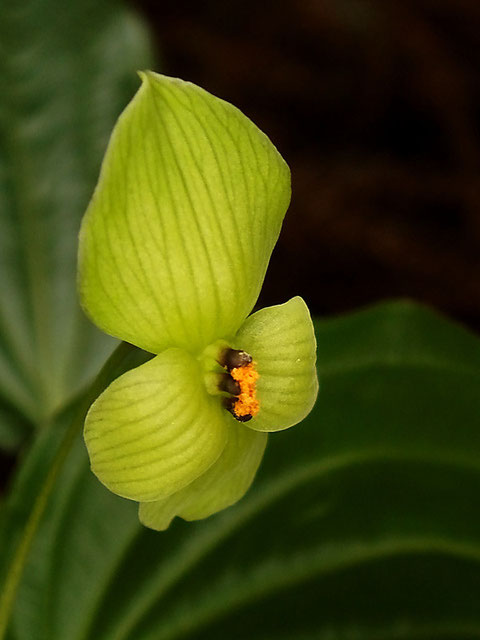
<point x="221" y="486"/>
<point x="281" y="340"/>
<point x="155" y="429"/>
<point x="176" y="241"/>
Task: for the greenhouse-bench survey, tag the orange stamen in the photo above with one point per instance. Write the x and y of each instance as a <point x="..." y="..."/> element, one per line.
<point x="247" y="403"/>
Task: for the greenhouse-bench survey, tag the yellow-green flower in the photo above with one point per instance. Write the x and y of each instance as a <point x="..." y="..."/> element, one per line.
<point x="173" y="252"/>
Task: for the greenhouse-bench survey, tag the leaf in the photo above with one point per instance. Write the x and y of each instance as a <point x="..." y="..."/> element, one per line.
<point x="177" y="238"/>
<point x="66" y="73"/>
<point x="362" y="522"/>
<point x="37" y="476"/>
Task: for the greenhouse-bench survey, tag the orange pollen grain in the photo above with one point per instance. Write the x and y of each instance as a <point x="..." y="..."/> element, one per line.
<point x="247" y="403"/>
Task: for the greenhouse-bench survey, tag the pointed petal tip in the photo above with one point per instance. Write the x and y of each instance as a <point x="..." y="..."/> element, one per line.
<point x="152" y="78"/>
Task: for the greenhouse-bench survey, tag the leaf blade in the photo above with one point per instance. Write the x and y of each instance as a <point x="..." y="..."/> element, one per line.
<point x="363" y="518"/>
<point x="63" y="96"/>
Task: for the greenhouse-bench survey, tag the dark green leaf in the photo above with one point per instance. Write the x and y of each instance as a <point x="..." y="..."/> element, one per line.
<point x="66" y="71"/>
<point x="363" y="521"/>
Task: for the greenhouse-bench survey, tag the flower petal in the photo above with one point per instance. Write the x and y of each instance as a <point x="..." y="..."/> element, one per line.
<point x="155" y="429"/>
<point x="177" y="238"/>
<point x="281" y="340"/>
<point x="221" y="486"/>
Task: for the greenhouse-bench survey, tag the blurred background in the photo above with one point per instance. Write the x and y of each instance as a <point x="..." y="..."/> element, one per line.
<point x="375" y="105"/>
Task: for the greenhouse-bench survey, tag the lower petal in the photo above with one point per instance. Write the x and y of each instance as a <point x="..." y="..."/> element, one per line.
<point x="221" y="486"/>
<point x="155" y="429"/>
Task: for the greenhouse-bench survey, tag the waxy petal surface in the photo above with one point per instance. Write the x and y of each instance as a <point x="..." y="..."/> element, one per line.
<point x="281" y="340"/>
<point x="155" y="429"/>
<point x="221" y="486"/>
<point x="177" y="238"/>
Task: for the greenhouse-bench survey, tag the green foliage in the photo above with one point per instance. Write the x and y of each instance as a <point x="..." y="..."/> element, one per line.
<point x="361" y="523"/>
<point x="66" y="71"/>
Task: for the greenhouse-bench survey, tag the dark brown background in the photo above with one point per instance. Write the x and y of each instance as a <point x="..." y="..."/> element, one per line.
<point x="375" y="105"/>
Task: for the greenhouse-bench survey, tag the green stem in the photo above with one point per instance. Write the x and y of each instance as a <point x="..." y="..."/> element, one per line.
<point x="123" y="358"/>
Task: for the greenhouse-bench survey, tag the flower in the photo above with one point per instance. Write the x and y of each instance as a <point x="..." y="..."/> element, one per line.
<point x="173" y="251"/>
